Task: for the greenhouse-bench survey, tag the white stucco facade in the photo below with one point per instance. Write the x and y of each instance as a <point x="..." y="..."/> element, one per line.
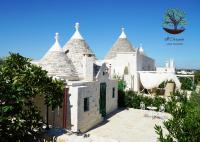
<point x="90" y="93"/>
<point x="91" y="83"/>
<point x="84" y="120"/>
<point x="125" y="62"/>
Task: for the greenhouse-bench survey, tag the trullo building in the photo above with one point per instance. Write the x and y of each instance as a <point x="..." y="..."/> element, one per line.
<point x="89" y="95"/>
<point x="125" y="62"/>
<point x="90" y="85"/>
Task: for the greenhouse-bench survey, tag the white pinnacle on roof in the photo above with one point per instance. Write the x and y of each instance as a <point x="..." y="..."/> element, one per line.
<point x="56" y="46"/>
<point x="123" y="35"/>
<point x="121" y="45"/>
<point x="77" y="34"/>
<point x="141" y="48"/>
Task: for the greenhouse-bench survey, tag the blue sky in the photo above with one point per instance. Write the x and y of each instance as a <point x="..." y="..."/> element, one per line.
<point x="28" y="26"/>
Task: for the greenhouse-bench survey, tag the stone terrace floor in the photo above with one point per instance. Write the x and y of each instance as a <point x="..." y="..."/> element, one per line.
<point x="122" y="126"/>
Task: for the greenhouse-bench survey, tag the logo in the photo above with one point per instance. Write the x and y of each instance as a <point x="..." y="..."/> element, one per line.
<point x="174" y="21"/>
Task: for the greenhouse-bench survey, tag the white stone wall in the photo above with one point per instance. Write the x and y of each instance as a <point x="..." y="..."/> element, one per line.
<point x="89" y="118"/>
<point x="88" y="69"/>
<point x="129" y="79"/>
<point x="84" y="121"/>
<point x="73" y="100"/>
<point x="121" y="61"/>
<point x="111" y="103"/>
<point x="134" y="61"/>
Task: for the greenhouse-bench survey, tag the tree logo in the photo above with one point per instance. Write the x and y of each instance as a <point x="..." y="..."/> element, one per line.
<point x="174" y="21"/>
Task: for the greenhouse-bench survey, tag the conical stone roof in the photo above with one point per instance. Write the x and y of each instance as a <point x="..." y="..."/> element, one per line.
<point x="75" y="48"/>
<point x="57" y="63"/>
<point x="121" y="45"/>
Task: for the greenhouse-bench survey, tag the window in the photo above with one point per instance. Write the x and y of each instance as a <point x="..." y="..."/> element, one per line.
<point x="113" y="92"/>
<point x="86" y="104"/>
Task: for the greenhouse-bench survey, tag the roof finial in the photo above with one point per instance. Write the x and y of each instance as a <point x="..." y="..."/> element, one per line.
<point x="77" y="26"/>
<point x="76" y="34"/>
<point x="56" y="36"/>
<point x="56" y="45"/>
<point x="123" y="29"/>
<point x="141" y="48"/>
<point x="123" y="35"/>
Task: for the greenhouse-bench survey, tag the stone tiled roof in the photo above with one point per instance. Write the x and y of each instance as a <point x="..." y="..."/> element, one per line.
<point x="121" y="45"/>
<point x="75" y="48"/>
<point x="56" y="62"/>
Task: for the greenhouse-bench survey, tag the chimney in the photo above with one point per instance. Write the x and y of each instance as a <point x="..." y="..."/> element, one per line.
<point x="88" y="67"/>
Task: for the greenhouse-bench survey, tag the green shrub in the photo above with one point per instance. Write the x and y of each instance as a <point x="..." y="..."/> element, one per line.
<point x="20" y="83"/>
<point x="121" y="98"/>
<point x="186" y="83"/>
<point x="162" y="85"/>
<point x="184" y="126"/>
<point x="121" y="85"/>
<point x="148" y="101"/>
<point x="158" y="101"/>
<point x="133" y="100"/>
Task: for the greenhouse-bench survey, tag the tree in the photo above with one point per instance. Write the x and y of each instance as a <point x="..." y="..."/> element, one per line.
<point x="184" y="126"/>
<point x="186" y="83"/>
<point x="174" y="18"/>
<point x="20" y="83"/>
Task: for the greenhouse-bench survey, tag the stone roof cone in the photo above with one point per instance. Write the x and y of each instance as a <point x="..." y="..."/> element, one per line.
<point x="121" y="45"/>
<point x="57" y="63"/>
<point x="75" y="48"/>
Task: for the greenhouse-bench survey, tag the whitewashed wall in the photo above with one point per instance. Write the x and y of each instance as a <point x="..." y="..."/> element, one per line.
<point x="73" y="100"/>
<point x="121" y="61"/>
<point x="134" y="61"/>
<point x="84" y="121"/>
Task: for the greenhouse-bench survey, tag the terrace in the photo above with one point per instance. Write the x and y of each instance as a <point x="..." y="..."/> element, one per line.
<point x="123" y="126"/>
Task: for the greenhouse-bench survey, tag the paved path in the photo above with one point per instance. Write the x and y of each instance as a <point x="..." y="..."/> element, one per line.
<point x="125" y="126"/>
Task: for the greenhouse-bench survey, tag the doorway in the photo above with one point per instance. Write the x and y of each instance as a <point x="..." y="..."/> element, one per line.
<point x="102" y="99"/>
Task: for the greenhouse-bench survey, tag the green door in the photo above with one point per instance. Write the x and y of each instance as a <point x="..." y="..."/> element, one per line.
<point x="102" y="100"/>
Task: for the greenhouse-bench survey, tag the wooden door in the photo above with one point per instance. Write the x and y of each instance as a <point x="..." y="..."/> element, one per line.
<point x="102" y="99"/>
